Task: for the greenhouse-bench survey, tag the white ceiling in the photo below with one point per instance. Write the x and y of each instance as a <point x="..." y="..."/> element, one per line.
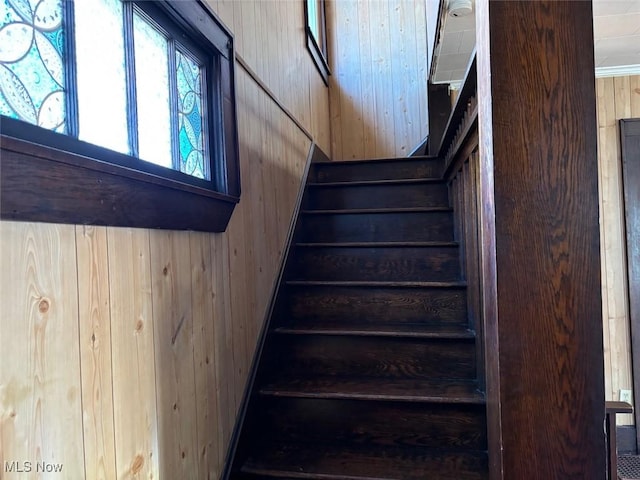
<point x="616" y="40"/>
<point x="616" y="30"/>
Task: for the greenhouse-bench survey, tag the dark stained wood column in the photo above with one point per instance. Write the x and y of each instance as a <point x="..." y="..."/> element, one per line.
<point x="439" y="112"/>
<point x="541" y="263"/>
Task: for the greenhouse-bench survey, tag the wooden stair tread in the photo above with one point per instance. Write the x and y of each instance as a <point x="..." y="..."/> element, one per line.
<point x="340" y="462"/>
<point x="368" y="369"/>
<point x="361" y="183"/>
<point x="373" y="161"/>
<point x="377" y="210"/>
<point x="390" y="330"/>
<point x="377" y="244"/>
<point x="409" y="390"/>
<point x="388" y="284"/>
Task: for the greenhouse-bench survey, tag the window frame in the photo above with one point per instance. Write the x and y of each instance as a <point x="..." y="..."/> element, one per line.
<point x="318" y="47"/>
<point x="51" y="177"/>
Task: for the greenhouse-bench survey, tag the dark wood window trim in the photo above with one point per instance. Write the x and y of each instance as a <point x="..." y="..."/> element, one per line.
<point x="630" y="162"/>
<point x="47" y="177"/>
<point x="318" y="46"/>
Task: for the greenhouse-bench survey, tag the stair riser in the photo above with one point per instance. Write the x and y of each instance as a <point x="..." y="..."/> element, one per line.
<point x="378" y="227"/>
<point x="337" y="464"/>
<point x="249" y="476"/>
<point x="384" y="424"/>
<point x="384" y="306"/>
<point x="437" y="264"/>
<point x="389" y="358"/>
<point x="379" y="196"/>
<point x="383" y="170"/>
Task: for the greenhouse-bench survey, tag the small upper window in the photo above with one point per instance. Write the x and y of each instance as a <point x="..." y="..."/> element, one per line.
<point x="317" y="35"/>
<point x="118" y="74"/>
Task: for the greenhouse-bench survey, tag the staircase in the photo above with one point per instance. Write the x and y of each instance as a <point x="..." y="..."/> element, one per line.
<point x="368" y="368"/>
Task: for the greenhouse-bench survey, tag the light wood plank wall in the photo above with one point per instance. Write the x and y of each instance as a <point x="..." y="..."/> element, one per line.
<point x="379" y="82"/>
<point x="617" y="97"/>
<point x="125" y="351"/>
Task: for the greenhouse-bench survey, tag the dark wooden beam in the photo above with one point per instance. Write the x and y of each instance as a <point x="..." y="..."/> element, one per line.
<point x="630" y="143"/>
<point x="541" y="252"/>
<point x="439" y="106"/>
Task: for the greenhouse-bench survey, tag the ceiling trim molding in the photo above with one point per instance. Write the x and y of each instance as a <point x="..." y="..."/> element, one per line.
<point x="619" y="71"/>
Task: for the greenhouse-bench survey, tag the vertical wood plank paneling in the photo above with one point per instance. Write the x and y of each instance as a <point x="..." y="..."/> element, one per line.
<point x="281" y="172"/>
<point x="95" y="352"/>
<point x="223" y="336"/>
<point x="238" y="307"/>
<point x="622" y="95"/>
<point x="279" y="33"/>
<point x="268" y="187"/>
<point x="366" y="76"/>
<point x="257" y="229"/>
<point x="320" y="113"/>
<point x="249" y="48"/>
<point x="422" y="69"/>
<point x="293" y="16"/>
<point x="259" y="30"/>
<point x="174" y="353"/>
<point x="253" y="219"/>
<point x="349" y="81"/>
<point x="270" y="73"/>
<point x="202" y="298"/>
<point x="380" y="28"/>
<point x="616" y="98"/>
<point x="475" y="279"/>
<point x="634" y="85"/>
<point x="415" y="73"/>
<point x="132" y="354"/>
<point x="132" y="362"/>
<point x="224" y="8"/>
<point x="333" y="29"/>
<point x="400" y="59"/>
<point x="605" y="115"/>
<point x="40" y="384"/>
<point x="375" y="98"/>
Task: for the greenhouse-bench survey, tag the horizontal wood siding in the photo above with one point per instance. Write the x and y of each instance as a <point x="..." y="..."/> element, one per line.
<point x="125" y="351"/>
<point x="617" y="97"/>
<point x="378" y="59"/>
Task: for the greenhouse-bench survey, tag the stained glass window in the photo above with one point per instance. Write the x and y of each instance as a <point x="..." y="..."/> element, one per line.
<point x="190" y="119"/>
<point x="136" y="83"/>
<point x="32" y="76"/>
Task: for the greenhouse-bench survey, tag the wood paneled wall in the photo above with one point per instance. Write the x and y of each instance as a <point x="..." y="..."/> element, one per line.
<point x="379" y="77"/>
<point x="617" y="97"/>
<point x="125" y="351"/>
<point x="270" y="37"/>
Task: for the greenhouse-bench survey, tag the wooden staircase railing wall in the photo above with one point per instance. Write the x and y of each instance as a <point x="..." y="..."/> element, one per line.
<point x="523" y="211"/>
<point x="370" y="363"/>
<point x="459" y="150"/>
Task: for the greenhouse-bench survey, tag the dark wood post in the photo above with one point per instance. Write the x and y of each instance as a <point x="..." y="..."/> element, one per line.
<point x="541" y="252"/>
<point x="439" y="105"/>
